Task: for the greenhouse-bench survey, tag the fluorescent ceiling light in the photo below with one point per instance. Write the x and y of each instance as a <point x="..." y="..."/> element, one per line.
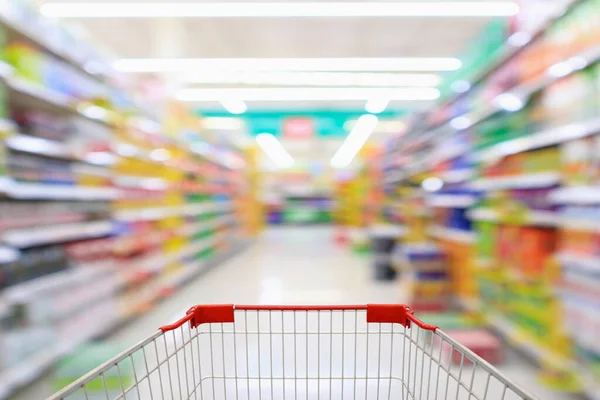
<point x="306" y="94"/>
<point x="313" y="78"/>
<point x="460" y="86"/>
<point x="432" y="184"/>
<point x="202" y="65"/>
<point x="383" y="126"/>
<point x="234" y="106"/>
<point x="222" y="123"/>
<point x="376" y="106"/>
<point x="278" y="9"/>
<point x="365" y="125"/>
<point x="460" y="123"/>
<point x="274" y="150"/>
<point x="509" y="102"/>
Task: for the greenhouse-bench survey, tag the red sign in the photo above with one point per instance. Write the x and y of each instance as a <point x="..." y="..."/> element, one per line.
<point x="298" y="128"/>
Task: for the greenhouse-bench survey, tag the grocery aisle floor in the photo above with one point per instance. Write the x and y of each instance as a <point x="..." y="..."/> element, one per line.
<point x="287" y="265"/>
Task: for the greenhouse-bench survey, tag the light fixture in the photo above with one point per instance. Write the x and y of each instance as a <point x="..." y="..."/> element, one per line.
<point x="278" y="9"/>
<point x="222" y="123"/>
<point x="305" y="94"/>
<point x="302" y="78"/>
<point x="519" y="39"/>
<point x="273" y="148"/>
<point x="460" y="123"/>
<point x="567" y="67"/>
<point x="365" y="125"/>
<point x="234" y="106"/>
<point x="160" y="155"/>
<point x="460" y="86"/>
<point x="432" y="184"/>
<point x="376" y="106"/>
<point x="509" y="102"/>
<point x="202" y="65"/>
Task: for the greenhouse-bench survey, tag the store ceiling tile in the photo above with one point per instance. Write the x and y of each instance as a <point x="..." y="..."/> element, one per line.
<point x="289" y="37"/>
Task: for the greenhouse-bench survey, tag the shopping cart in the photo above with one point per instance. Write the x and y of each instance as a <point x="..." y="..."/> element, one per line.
<point x="296" y="352"/>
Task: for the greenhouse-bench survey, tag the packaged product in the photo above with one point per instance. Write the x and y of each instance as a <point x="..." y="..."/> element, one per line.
<point x="576" y="161"/>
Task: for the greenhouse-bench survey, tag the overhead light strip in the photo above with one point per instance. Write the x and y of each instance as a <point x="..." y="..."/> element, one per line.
<point x="364" y="127"/>
<point x="275" y="150"/>
<point x="279" y="9"/>
<point x="203" y="65"/>
<point x="305" y="94"/>
<point x="301" y="78"/>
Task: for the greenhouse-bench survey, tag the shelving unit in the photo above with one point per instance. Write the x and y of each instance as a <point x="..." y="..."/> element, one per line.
<point x="102" y="217"/>
<point x="523" y="187"/>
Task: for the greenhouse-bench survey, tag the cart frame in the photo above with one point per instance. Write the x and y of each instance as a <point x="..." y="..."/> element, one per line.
<point x="208" y="326"/>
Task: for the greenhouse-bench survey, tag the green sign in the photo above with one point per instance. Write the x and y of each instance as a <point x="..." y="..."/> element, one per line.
<point x="325" y="123"/>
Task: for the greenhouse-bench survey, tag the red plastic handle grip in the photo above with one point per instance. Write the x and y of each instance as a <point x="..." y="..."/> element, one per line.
<point x="225" y="313"/>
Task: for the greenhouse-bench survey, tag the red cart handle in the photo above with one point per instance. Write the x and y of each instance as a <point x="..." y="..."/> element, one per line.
<point x="224" y="313"/>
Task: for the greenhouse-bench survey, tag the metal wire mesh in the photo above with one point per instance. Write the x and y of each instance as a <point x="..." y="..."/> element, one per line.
<point x="281" y="354"/>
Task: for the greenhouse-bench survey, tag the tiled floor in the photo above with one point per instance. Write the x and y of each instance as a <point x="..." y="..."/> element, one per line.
<point x="299" y="265"/>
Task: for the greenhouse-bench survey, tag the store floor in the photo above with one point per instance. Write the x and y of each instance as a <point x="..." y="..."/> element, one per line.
<point x="287" y="265"/>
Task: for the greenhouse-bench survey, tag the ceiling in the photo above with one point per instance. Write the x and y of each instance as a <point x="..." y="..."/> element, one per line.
<point x="283" y="38"/>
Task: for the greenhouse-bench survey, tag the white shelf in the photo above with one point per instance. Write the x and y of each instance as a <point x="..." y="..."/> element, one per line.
<point x="21" y="293"/>
<point x="34" y="145"/>
<point x="8" y="254"/>
<point x="454" y="235"/>
<point x="388" y="230"/>
<point x="578" y="223"/>
<point x="457" y="175"/>
<point x="20" y="28"/>
<point x="576" y="195"/>
<point x="35" y="365"/>
<point x="197" y="209"/>
<point x="585" y="264"/>
<point x="537" y="140"/>
<point x="43" y="97"/>
<point x="141" y="182"/>
<point x="195" y="248"/>
<point x="57" y="233"/>
<point x="518" y="338"/>
<point x="153" y="214"/>
<point x="22" y="190"/>
<point x="539" y="218"/>
<point x="528" y="181"/>
<point x="451" y="200"/>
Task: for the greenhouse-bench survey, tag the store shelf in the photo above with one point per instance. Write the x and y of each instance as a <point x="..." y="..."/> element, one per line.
<point x="538" y="218"/>
<point x="34" y="366"/>
<point x="44" y="147"/>
<point x="518" y="338"/>
<point x="20" y="31"/>
<point x="580" y="224"/>
<point x="578" y="262"/>
<point x="23" y="190"/>
<point x="453" y="235"/>
<point x="549" y="137"/>
<point x="192" y="249"/>
<point x="526" y="181"/>
<point x="8" y="254"/>
<point x="583" y="195"/>
<point x="451" y="200"/>
<point x="456" y="175"/>
<point x="39" y="236"/>
<point x="42" y="98"/>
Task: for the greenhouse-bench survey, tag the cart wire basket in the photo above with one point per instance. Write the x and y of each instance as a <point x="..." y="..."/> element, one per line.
<point x="296" y="352"/>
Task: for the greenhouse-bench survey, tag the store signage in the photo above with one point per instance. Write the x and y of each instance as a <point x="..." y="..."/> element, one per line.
<point x="298" y="128"/>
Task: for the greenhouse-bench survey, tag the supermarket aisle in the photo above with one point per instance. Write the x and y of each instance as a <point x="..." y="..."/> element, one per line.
<point x="286" y="266"/>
